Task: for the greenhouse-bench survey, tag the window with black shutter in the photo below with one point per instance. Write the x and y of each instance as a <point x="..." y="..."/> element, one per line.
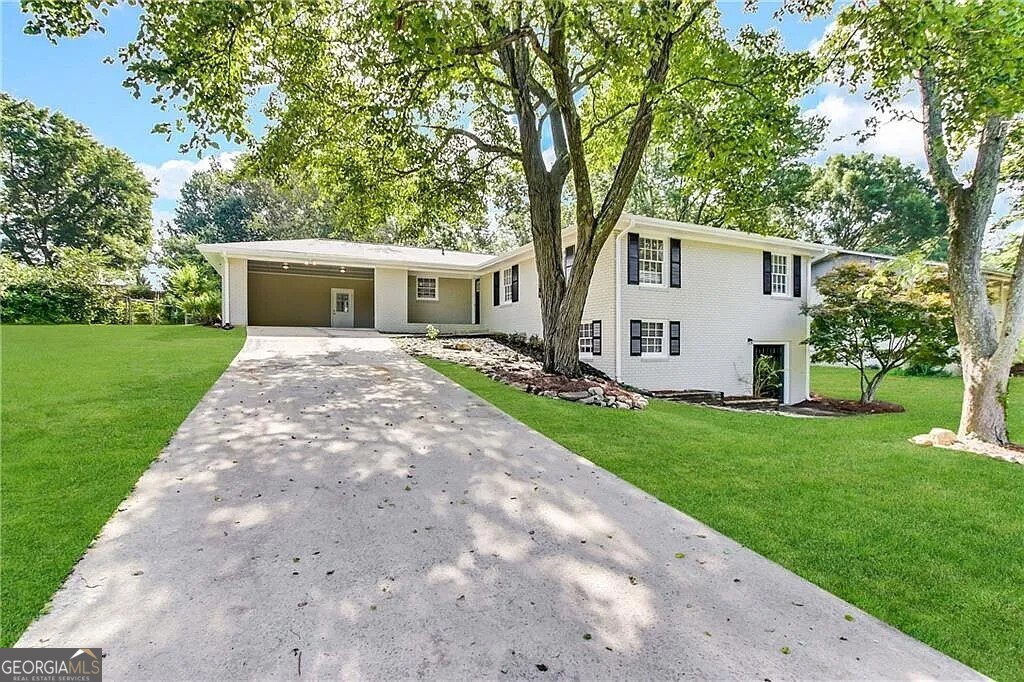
<point x="634" y="337"/>
<point x="633" y="258"/>
<point x="515" y="283"/>
<point x="766" y="260"/>
<point x="797" y="277"/>
<point x="675" y="270"/>
<point x="596" y="337"/>
<point x="674" y="338"/>
<point x="570" y="258"/>
<point x="496" y="279"/>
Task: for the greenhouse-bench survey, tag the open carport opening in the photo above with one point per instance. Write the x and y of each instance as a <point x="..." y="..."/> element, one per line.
<point x="308" y="295"/>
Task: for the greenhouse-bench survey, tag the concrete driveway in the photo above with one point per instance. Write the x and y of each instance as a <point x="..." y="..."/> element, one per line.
<point x="334" y="509"/>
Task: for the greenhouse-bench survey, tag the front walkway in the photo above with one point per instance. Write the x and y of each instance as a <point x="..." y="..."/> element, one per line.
<point x="335" y="509"/>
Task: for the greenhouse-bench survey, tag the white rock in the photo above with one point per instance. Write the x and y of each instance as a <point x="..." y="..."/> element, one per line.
<point x="942" y="436"/>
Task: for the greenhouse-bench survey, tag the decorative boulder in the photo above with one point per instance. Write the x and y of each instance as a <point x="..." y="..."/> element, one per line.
<point x="942" y="436"/>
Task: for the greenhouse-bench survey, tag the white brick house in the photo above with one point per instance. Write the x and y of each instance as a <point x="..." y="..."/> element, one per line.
<point x="671" y="306"/>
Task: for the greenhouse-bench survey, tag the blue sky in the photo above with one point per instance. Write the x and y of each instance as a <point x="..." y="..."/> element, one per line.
<point x="71" y="77"/>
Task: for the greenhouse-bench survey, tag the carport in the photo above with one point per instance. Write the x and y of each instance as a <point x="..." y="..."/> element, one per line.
<point x="301" y="295"/>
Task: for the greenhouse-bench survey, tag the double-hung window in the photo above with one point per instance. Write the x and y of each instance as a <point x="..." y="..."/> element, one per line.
<point x="506" y="288"/>
<point x="586" y="338"/>
<point x="652" y="338"/>
<point x="652" y="261"/>
<point x="780" y="274"/>
<point x="426" y="288"/>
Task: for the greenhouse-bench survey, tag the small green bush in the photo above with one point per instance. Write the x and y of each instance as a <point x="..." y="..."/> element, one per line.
<point x="432" y="332"/>
<point x="193" y="296"/>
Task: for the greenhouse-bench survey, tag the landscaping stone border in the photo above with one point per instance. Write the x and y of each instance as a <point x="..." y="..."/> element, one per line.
<point x="504" y="364"/>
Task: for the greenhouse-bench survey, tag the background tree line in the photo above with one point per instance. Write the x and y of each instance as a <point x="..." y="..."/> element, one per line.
<point x="76" y="217"/>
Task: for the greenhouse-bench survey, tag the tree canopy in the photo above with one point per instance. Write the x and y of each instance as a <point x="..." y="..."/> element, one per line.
<point x="869" y="203"/>
<point x="62" y="188"/>
<point x="418" y="106"/>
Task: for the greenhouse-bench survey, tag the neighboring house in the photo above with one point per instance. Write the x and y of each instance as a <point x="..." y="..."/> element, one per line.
<point x="998" y="281"/>
<point x="672" y="306"/>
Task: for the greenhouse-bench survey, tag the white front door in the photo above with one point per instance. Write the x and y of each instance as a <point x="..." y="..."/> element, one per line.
<point x="341" y="308"/>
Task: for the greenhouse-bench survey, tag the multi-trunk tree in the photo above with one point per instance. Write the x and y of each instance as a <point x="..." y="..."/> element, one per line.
<point x="430" y="99"/>
<point x="881" y="319"/>
<point x="965" y="63"/>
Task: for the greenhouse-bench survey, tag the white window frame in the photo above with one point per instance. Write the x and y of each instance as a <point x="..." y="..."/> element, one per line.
<point x="427" y="298"/>
<point x="663" y="353"/>
<point x="506" y="286"/>
<point x="586" y="339"/>
<point x="780" y="275"/>
<point x="651" y="243"/>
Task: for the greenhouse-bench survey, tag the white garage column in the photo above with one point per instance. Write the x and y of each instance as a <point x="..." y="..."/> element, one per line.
<point x="390" y="299"/>
<point x="235" y="292"/>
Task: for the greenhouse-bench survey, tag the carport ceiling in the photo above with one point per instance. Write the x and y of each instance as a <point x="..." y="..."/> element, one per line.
<point x="279" y="268"/>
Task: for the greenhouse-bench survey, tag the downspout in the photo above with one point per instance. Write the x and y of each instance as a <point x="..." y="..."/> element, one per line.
<point x="227" y="288"/>
<point x="618" y="299"/>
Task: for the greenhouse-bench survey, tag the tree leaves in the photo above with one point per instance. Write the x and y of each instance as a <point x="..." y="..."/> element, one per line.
<point x="61" y="188"/>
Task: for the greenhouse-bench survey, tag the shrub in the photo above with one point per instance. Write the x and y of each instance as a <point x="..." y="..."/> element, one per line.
<point x="432" y="332"/>
<point x="192" y="295"/>
<point x="79" y="289"/>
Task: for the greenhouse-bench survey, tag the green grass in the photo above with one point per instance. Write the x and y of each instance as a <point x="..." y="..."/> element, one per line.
<point x="84" y="410"/>
<point x="929" y="540"/>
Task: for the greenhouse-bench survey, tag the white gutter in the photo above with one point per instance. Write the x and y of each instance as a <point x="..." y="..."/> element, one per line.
<point x="618" y="300"/>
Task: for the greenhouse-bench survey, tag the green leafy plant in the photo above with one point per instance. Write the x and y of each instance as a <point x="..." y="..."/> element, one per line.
<point x="766" y="376"/>
<point x="432" y="332"/>
<point x="80" y="289"/>
<point x="880" y="319"/>
<point x="194" y="294"/>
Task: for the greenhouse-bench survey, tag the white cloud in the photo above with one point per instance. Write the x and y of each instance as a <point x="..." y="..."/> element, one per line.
<point x="847" y="116"/>
<point x="172" y="174"/>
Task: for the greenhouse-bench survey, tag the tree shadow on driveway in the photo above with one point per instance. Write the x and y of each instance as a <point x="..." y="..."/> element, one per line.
<point x="336" y="509"/>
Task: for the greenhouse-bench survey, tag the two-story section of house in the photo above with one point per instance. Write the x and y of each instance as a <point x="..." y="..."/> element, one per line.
<point x="671" y="306"/>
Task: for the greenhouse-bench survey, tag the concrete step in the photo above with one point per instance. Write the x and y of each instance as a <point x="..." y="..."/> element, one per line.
<point x="690" y="396"/>
<point x="750" y="403"/>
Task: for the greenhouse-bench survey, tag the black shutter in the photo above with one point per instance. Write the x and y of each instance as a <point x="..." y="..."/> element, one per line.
<point x="634" y="337"/>
<point x="633" y="259"/>
<point x="675" y="268"/>
<point x="515" y="283"/>
<point x="570" y="258"/>
<point x="596" y="334"/>
<point x="497" y="287"/>
<point x="673" y="338"/>
<point x="797" y="277"/>
<point x="766" y="258"/>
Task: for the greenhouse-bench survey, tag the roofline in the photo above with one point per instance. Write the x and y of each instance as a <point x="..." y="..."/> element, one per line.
<point x="628" y="221"/>
<point x="291" y="256"/>
<point x="723" y="235"/>
<point x="993" y="272"/>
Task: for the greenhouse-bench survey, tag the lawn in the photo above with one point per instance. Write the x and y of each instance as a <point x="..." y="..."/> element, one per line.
<point x="930" y="541"/>
<point x="84" y="410"/>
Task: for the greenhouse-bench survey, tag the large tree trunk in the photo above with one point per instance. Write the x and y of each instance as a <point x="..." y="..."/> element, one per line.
<point x="985" y="353"/>
<point x="983" y="415"/>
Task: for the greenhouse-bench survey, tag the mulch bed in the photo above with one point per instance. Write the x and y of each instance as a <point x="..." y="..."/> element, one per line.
<point x="841" y="407"/>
